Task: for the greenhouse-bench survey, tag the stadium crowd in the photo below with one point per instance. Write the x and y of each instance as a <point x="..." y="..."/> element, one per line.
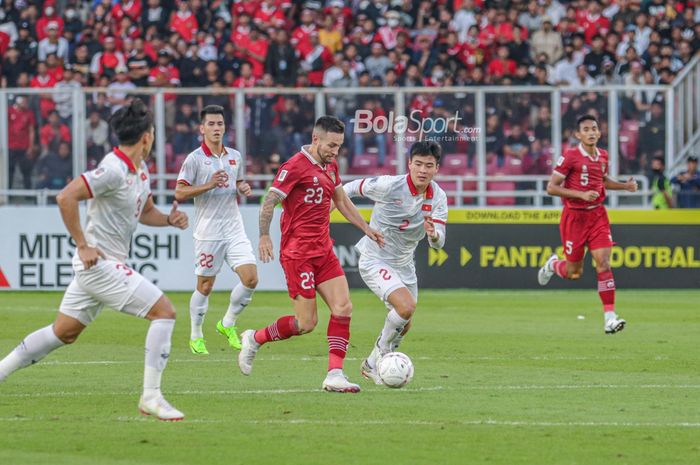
<point x="126" y="45"/>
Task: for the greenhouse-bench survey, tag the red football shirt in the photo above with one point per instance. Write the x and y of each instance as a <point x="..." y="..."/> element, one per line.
<point x="307" y="188"/>
<point x="583" y="172"/>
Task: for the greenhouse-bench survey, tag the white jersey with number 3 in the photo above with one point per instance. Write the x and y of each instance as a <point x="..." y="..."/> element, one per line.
<point x="216" y="214"/>
<point x="399" y="213"/>
<point x="118" y="193"/>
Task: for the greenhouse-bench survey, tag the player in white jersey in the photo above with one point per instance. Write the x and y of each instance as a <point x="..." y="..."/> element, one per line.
<point x="119" y="197"/>
<point x="213" y="175"/>
<point x="406" y="209"/>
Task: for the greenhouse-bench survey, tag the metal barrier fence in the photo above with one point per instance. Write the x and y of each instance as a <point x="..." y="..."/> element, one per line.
<point x="499" y="143"/>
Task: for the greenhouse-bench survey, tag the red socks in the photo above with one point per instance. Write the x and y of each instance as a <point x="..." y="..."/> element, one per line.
<point x="283" y="328"/>
<point x="338" y="339"/>
<point x="606" y="290"/>
<point x="559" y="267"/>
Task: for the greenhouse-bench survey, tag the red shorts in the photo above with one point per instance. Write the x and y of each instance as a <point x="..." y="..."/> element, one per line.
<point x="304" y="274"/>
<point x="581" y="228"/>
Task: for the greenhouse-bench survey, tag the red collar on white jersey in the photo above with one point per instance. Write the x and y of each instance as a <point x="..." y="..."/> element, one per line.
<point x="586" y="154"/>
<point x="414" y="190"/>
<point x="125" y="159"/>
<point x="209" y="153"/>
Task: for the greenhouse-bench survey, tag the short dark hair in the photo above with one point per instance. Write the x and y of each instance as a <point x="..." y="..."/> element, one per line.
<point x="330" y="124"/>
<point x="426" y="148"/>
<point x="131" y="121"/>
<point x="211" y="110"/>
<point x="660" y="159"/>
<point x="584" y="118"/>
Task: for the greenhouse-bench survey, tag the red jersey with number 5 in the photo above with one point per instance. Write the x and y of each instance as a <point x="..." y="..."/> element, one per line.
<point x="307" y="188"/>
<point x="583" y="172"/>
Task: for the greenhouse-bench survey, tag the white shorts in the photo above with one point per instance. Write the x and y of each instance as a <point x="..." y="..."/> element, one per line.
<point x="112" y="284"/>
<point x="383" y="279"/>
<point x="210" y="255"/>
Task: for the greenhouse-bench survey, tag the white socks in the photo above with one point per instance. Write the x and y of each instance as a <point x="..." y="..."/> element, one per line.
<point x="33" y="348"/>
<point x="609" y="316"/>
<point x="157" y="353"/>
<point x="393" y="326"/>
<point x="240" y="298"/>
<point x="198" y="310"/>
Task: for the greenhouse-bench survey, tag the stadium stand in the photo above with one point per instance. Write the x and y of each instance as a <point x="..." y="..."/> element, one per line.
<point x="337" y="44"/>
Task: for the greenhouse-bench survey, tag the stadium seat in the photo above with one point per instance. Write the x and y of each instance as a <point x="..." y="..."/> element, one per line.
<point x="454" y="163"/>
<point x="365" y="160"/>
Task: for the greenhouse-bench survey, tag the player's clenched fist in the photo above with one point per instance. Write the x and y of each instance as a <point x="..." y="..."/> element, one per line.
<point x="375" y="235"/>
<point x="244" y="188"/>
<point x="89" y="255"/>
<point x="631" y="185"/>
<point x="219" y="179"/>
<point x="429" y="226"/>
<point x="265" y="249"/>
<point x="589" y="196"/>
<point x="177" y="218"/>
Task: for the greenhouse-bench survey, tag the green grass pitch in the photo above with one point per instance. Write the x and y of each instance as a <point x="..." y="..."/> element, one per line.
<point x="500" y="378"/>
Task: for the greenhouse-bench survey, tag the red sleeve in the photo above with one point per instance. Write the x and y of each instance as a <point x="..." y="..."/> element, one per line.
<point x="564" y="164"/>
<point x="45" y="135"/>
<point x="286" y="179"/>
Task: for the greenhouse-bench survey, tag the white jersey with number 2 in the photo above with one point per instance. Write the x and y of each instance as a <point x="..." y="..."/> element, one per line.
<point x="399" y="213"/>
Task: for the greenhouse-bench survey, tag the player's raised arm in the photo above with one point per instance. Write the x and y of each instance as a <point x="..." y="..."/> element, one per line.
<point x="555" y="187"/>
<point x="630" y="185"/>
<point x="151" y="216"/>
<point x="266" y="212"/>
<point x="349" y="211"/>
<point x="185" y="191"/>
<point x="68" y="201"/>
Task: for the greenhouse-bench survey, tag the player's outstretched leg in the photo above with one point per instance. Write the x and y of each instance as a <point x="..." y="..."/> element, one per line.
<point x="251" y="340"/>
<point x="33" y="348"/>
<point x="338" y="339"/>
<point x="158" y="342"/>
<point x="199" y="303"/>
<point x="606" y="291"/>
<point x="241" y="296"/>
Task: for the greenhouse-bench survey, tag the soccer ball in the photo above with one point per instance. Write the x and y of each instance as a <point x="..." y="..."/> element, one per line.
<point x="395" y="369"/>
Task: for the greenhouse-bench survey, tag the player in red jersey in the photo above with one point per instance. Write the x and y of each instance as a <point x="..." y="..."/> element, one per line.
<point x="305" y="185"/>
<point x="581" y="178"/>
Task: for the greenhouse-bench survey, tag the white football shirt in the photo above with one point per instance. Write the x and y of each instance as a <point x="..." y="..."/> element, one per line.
<point x="399" y="212"/>
<point x="118" y="192"/>
<point x="216" y="215"/>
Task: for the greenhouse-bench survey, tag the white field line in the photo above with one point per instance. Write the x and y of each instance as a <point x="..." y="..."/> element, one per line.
<point x="475" y="422"/>
<point x="374" y="390"/>
<point x="273" y="358"/>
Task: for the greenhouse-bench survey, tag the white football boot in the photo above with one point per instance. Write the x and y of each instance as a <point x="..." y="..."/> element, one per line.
<point x="249" y="347"/>
<point x="370" y="373"/>
<point x="336" y="381"/>
<point x="614" y="325"/>
<point x="546" y="272"/>
<point x="160" y="408"/>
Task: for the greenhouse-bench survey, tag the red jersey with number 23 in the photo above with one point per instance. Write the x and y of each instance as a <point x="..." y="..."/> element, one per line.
<point x="583" y="172"/>
<point x="307" y="188"/>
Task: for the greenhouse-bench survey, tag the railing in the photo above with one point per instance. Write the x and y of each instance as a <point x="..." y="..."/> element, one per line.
<point x="456" y="187"/>
<point x="681" y="125"/>
<point x="686" y="114"/>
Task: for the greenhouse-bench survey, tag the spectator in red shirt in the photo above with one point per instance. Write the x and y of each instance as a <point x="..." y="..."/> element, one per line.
<point x="21" y="124"/>
<point x="105" y="63"/>
<point x="50" y="17"/>
<point x="593" y="22"/>
<point x="301" y="36"/>
<point x="269" y="15"/>
<point x="256" y="52"/>
<point x="130" y="8"/>
<point x="502" y="65"/>
<point x="166" y="75"/>
<point x="53" y="133"/>
<point x="246" y="79"/>
<point x="184" y="22"/>
<point x="240" y="36"/>
<point x="315" y="59"/>
<point x="43" y="80"/>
